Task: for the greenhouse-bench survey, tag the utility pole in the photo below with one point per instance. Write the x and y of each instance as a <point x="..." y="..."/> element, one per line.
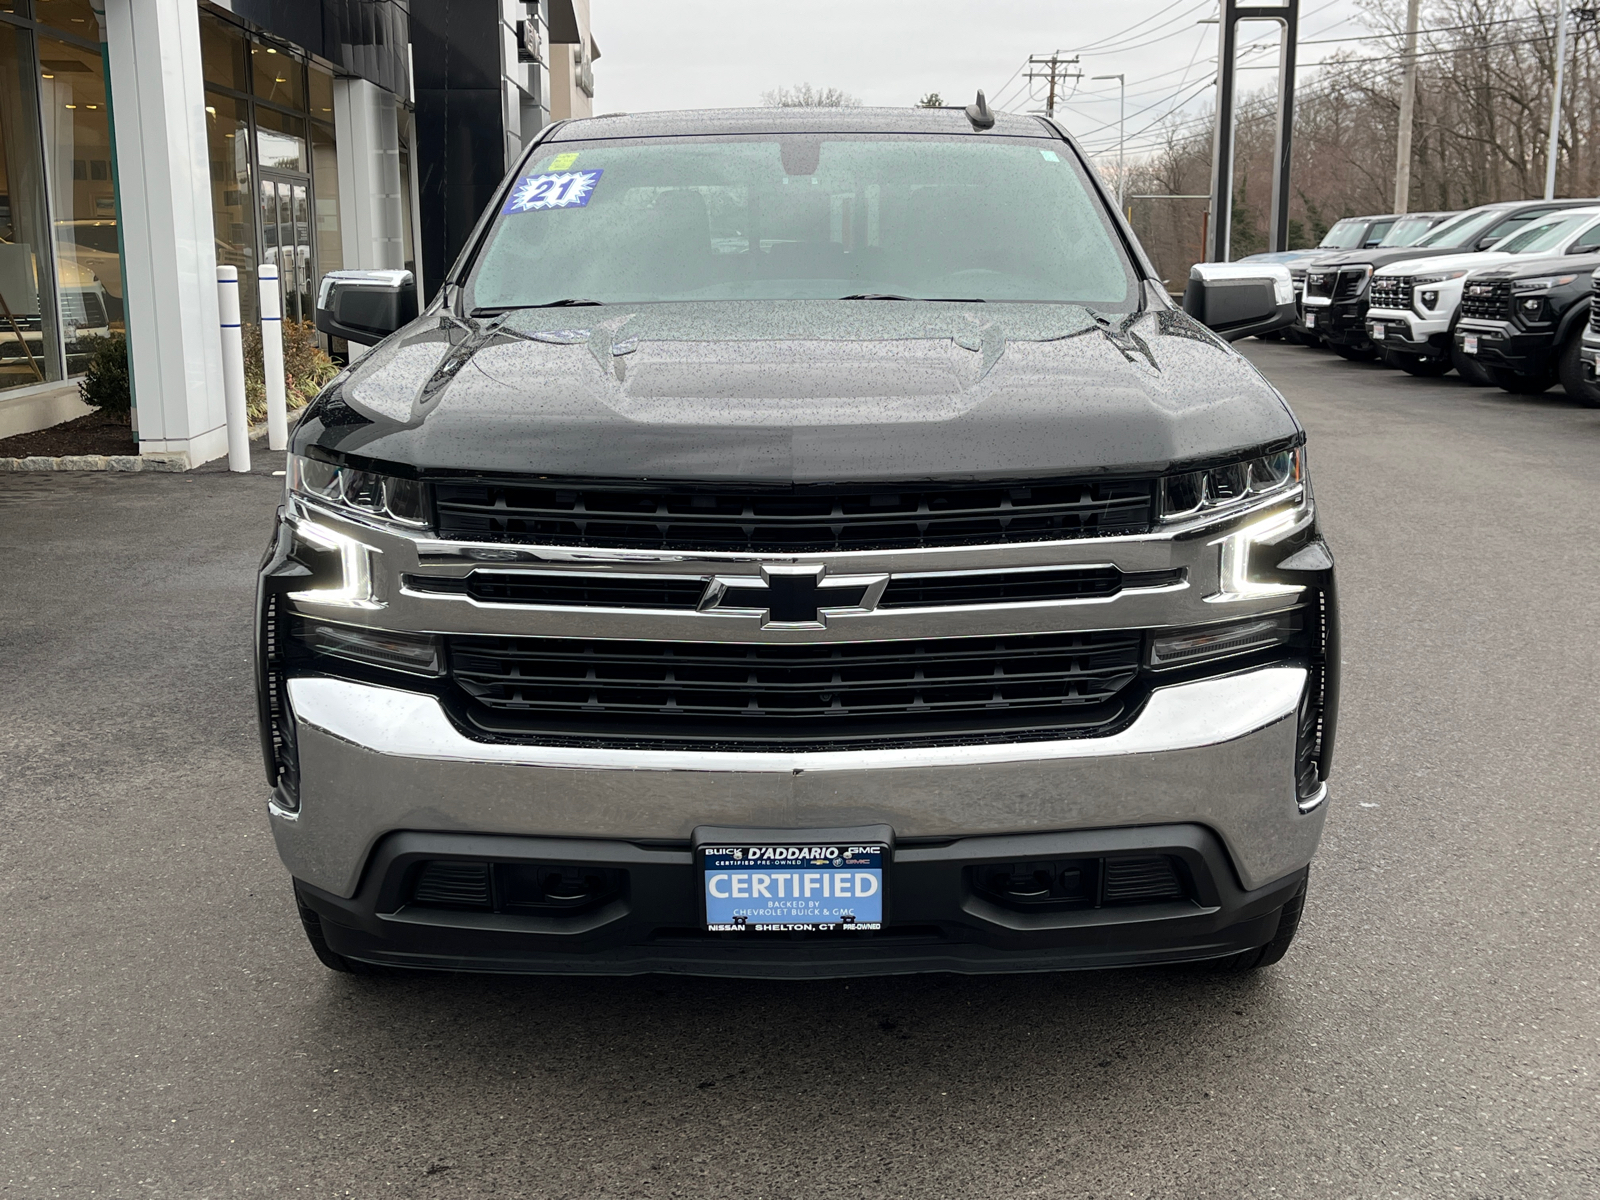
<point x="1555" y="105"/>
<point x="1408" y="108"/>
<point x="1057" y="69"/>
<point x="1122" y="117"/>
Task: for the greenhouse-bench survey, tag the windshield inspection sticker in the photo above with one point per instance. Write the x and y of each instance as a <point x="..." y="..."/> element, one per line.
<point x="563" y="162"/>
<point x="563" y="189"/>
<point x="1050" y="156"/>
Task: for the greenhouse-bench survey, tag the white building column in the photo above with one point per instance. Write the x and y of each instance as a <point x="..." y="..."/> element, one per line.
<point x="170" y="259"/>
<point x="367" y="129"/>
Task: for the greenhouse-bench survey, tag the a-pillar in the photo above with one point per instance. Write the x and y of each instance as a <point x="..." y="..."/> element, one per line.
<point x="169" y="255"/>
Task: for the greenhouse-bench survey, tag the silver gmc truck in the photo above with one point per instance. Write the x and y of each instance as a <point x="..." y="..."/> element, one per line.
<point x="799" y="543"/>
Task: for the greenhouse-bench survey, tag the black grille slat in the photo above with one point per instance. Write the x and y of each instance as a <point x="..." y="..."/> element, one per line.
<point x="711" y="692"/>
<point x="1594" y="307"/>
<point x="1487" y="300"/>
<point x="1020" y="586"/>
<point x="1349" y="284"/>
<point x="451" y="884"/>
<point x="580" y="591"/>
<point x="1141" y="880"/>
<point x="802" y="518"/>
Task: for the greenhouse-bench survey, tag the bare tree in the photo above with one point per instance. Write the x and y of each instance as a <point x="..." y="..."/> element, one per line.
<point x="805" y="96"/>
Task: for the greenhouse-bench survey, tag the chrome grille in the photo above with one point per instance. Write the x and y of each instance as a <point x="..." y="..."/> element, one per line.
<point x="1486" y="298"/>
<point x="1594" y="307"/>
<point x="1392" y="291"/>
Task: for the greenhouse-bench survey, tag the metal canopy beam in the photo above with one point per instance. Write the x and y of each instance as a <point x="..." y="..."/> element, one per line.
<point x="1287" y="14"/>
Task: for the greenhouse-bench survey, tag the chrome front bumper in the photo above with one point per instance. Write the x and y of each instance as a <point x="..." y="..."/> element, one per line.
<point x="1216" y="752"/>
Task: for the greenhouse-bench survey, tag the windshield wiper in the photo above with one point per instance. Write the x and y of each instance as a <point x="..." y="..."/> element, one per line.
<point x="923" y="299"/>
<point x="571" y="303"/>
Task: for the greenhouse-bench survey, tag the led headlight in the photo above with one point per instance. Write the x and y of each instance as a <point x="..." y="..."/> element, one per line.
<point x="368" y="495"/>
<point x="1233" y="485"/>
<point x="1540" y="283"/>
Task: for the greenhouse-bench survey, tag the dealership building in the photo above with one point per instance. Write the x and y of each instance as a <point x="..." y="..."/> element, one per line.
<point x="143" y="143"/>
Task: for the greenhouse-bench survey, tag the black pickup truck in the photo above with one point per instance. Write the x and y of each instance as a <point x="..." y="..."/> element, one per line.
<point x="798" y="543"/>
<point x="1525" y="320"/>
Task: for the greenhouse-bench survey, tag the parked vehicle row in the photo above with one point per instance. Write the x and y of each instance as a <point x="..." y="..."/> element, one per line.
<point x="1501" y="294"/>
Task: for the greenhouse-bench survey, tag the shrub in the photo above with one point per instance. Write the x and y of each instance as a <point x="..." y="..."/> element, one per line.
<point x="105" y="384"/>
<point x="306" y="367"/>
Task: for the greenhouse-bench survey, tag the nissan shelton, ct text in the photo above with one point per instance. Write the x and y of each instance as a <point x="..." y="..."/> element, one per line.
<point x="799" y="543"/>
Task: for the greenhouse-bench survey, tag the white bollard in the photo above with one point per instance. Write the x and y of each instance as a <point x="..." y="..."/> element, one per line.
<point x="272" y="358"/>
<point x="233" y="397"/>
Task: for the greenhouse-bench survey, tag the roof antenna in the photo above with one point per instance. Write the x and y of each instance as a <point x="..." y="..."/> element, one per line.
<point x="980" y="114"/>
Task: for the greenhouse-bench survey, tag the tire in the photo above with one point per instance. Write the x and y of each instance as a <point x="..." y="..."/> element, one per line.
<point x="1519" y="384"/>
<point x="1301" y="339"/>
<point x="1419" y="365"/>
<point x="1570" y="371"/>
<point x="1470" y="369"/>
<point x="1355" y="353"/>
<point x="1265" y="956"/>
<point x="312" y="924"/>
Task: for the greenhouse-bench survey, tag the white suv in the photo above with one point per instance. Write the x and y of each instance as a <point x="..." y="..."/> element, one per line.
<point x="1414" y="303"/>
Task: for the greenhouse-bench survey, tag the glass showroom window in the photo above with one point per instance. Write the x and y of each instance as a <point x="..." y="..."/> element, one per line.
<point x="29" y="343"/>
<point x="83" y="200"/>
<point x="232" y="198"/>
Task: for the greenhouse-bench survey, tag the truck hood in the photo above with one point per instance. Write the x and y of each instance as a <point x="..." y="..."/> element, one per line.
<point x="1527" y="267"/>
<point x="798" y="391"/>
<point x="1447" y="262"/>
<point x="1383" y="256"/>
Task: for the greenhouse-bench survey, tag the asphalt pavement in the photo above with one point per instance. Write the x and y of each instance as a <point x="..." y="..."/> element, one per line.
<point x="1434" y="1032"/>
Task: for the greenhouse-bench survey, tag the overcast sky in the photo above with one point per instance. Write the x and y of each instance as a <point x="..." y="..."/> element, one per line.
<point x="714" y="53"/>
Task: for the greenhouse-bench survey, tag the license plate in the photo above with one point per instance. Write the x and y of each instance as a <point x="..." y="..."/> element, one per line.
<point x="1311" y="320"/>
<point x="1377" y="331"/>
<point x="1469" y="343"/>
<point x="792" y="889"/>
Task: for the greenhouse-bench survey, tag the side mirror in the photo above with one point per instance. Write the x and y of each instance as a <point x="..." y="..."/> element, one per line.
<point x="1484" y="243"/>
<point x="1237" y="300"/>
<point x="1589" y="248"/>
<point x="365" y="306"/>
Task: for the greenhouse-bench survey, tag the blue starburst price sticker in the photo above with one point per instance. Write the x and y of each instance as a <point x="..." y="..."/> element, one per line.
<point x="561" y="189"/>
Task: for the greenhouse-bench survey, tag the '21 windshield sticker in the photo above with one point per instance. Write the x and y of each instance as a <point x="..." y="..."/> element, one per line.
<point x="564" y="189"/>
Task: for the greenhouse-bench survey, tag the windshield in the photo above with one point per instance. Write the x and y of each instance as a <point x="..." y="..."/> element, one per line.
<point x="1406" y="231"/>
<point x="797" y="217"/>
<point x="1546" y="235"/>
<point x="1345" y="235"/>
<point x="1464" y="230"/>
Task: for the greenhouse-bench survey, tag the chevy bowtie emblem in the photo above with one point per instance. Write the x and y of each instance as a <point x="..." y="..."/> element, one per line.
<point x="793" y="597"/>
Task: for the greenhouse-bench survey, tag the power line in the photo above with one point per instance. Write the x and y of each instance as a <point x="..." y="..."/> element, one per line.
<point x="1058" y="71"/>
<point x="1104" y="42"/>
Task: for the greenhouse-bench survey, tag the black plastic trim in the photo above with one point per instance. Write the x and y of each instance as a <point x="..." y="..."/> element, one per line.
<point x="936" y="921"/>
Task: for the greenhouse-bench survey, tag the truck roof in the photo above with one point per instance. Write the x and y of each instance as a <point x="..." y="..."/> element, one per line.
<point x="700" y="122"/>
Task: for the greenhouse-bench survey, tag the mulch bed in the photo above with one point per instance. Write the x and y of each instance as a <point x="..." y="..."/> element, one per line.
<point x="96" y="433"/>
